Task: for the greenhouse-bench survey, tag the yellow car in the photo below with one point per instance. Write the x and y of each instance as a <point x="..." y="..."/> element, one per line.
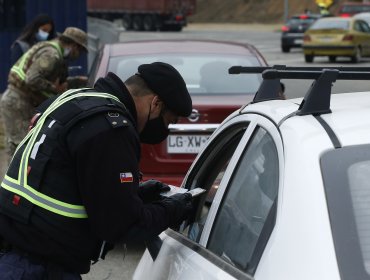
<point x="337" y="36"/>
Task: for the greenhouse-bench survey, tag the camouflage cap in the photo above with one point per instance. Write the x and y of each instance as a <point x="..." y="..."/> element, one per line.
<point x="76" y="35"/>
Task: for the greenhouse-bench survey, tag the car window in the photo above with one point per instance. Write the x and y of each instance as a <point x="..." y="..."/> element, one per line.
<point x="351" y="9"/>
<point x="364" y="27"/>
<point x="209" y="173"/>
<point x="346" y="181"/>
<point x="247" y="204"/>
<point x="297" y="21"/>
<point x="203" y="74"/>
<point x="94" y="69"/>
<point x="331" y="24"/>
<point x="357" y="26"/>
<point x="366" y="19"/>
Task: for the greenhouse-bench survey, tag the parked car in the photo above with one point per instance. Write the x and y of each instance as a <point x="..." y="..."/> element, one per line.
<point x="292" y="194"/>
<point x="292" y="31"/>
<point x="337" y="36"/>
<point x="215" y="94"/>
<point x="363" y="16"/>
<point x="348" y="9"/>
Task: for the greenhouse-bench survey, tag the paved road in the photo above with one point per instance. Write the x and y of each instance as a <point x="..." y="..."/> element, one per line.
<point x="119" y="264"/>
<point x="267" y="40"/>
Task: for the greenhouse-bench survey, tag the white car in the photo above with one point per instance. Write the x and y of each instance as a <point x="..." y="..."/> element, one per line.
<point x="288" y="192"/>
<point x="364" y="16"/>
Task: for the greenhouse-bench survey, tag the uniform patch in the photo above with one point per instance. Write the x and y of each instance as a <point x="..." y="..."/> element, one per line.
<point x="45" y="64"/>
<point x="126" y="177"/>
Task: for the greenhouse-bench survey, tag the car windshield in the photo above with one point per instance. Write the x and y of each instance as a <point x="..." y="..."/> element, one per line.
<point x="203" y="74"/>
<point x="346" y="179"/>
<point x="331" y="24"/>
<point x="364" y="17"/>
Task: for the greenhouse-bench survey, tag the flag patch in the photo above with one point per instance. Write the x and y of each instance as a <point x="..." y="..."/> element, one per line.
<point x="126" y="177"/>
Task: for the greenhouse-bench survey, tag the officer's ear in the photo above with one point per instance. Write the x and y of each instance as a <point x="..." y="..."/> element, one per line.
<point x="157" y="103"/>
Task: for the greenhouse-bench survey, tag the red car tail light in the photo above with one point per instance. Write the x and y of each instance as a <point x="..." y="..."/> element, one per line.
<point x="303" y="16"/>
<point x="306" y="38"/>
<point x="345" y="15"/>
<point x="179" y="17"/>
<point x="348" y="37"/>
<point x="285" y="28"/>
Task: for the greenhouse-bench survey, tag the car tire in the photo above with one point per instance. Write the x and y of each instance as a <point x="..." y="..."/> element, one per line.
<point x="285" y="49"/>
<point x="332" y="58"/>
<point x="127" y="22"/>
<point x="149" y="23"/>
<point x="357" y="56"/>
<point x="308" y="58"/>
<point x="137" y="23"/>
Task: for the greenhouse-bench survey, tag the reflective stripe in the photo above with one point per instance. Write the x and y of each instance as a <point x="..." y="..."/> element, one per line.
<point x="20" y="185"/>
<point x="46" y="202"/>
<point x="36" y="146"/>
<point x="19" y="69"/>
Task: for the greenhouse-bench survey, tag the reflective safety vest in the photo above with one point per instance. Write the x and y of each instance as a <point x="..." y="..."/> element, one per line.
<point x="20" y="68"/>
<point x="19" y="193"/>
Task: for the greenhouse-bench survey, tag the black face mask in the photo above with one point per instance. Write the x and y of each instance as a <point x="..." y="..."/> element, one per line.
<point x="154" y="132"/>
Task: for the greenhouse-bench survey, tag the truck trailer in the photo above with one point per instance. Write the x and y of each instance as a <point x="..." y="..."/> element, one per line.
<point x="144" y="15"/>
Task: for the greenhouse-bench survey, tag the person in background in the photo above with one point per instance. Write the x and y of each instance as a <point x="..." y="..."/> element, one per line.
<point x="41" y="28"/>
<point x="39" y="74"/>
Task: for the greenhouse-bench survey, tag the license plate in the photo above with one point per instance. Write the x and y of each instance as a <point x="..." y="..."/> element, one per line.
<point x="298" y="41"/>
<point x="185" y="144"/>
<point x="326" y="39"/>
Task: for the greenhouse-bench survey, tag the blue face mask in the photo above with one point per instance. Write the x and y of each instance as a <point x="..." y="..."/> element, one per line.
<point x="41" y="35"/>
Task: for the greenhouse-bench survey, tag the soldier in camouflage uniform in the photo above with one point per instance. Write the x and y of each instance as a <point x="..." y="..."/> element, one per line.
<point x="39" y="74"/>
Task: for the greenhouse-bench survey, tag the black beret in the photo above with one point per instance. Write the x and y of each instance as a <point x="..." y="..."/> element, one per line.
<point x="165" y="81"/>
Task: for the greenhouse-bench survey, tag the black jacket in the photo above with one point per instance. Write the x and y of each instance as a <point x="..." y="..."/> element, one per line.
<point x="115" y="211"/>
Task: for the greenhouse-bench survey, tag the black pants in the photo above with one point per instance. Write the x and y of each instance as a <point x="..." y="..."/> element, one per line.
<point x="15" y="266"/>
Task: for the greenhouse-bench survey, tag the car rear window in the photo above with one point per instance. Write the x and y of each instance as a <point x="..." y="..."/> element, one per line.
<point x="297" y="20"/>
<point x="331" y="24"/>
<point x="203" y="74"/>
<point x="346" y="174"/>
<point x="353" y="9"/>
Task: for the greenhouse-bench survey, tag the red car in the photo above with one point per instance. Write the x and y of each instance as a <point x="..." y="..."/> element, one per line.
<point x="204" y="66"/>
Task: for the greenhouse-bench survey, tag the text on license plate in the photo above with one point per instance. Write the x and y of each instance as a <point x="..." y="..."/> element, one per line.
<point x="185" y="144"/>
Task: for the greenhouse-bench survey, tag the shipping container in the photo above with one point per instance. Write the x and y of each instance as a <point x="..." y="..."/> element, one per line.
<point x="144" y="15"/>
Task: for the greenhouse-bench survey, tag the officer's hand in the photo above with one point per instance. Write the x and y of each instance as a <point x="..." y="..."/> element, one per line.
<point x="180" y="208"/>
<point x="150" y="190"/>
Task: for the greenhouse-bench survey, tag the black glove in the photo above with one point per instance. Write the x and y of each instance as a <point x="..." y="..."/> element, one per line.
<point x="150" y="190"/>
<point x="179" y="207"/>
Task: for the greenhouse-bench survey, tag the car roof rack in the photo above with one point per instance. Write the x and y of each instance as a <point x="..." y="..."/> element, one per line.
<point x="260" y="69"/>
<point x="317" y="98"/>
<point x="269" y="88"/>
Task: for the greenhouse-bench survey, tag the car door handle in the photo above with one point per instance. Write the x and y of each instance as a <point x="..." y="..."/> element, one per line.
<point x="154" y="246"/>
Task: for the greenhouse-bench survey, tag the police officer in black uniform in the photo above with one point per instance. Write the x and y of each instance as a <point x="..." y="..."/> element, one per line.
<point x="73" y="186"/>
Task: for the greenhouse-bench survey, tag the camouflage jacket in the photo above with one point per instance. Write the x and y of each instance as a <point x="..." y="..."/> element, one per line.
<point x="37" y="70"/>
